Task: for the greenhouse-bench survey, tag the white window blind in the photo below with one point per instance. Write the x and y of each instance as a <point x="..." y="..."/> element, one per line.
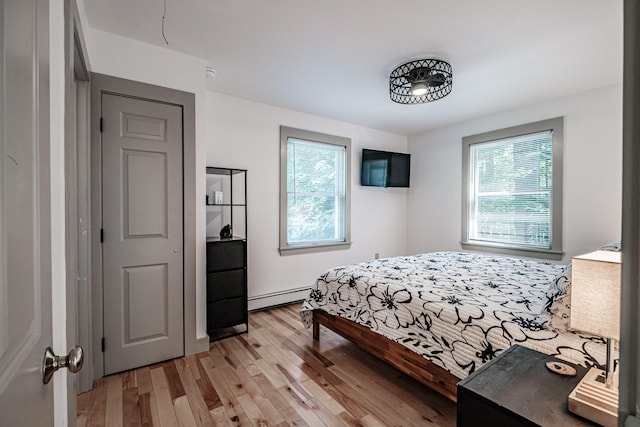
<point x="510" y="191"/>
<point x="316" y="193"/>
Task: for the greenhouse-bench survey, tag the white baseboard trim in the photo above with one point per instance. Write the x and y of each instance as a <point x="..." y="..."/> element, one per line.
<point x="278" y="298"/>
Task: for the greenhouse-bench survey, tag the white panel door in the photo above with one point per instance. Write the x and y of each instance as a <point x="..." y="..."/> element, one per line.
<point x="25" y="221"/>
<point x="143" y="237"/>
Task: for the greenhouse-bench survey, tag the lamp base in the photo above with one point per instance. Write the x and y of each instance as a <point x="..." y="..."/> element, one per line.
<point x="592" y="399"/>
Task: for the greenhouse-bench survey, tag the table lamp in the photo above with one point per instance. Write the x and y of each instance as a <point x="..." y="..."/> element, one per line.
<point x="595" y="309"/>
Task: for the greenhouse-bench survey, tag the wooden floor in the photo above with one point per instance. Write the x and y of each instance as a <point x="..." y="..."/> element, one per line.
<point x="273" y="376"/>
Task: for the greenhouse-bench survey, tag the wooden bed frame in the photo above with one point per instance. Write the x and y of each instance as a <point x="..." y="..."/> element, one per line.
<point x="395" y="354"/>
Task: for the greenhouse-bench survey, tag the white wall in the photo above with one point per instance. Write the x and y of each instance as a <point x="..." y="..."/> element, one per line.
<point x="231" y="132"/>
<point x="246" y="135"/>
<point x="592" y="189"/>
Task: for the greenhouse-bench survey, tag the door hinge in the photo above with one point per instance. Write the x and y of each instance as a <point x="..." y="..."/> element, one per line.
<point x="100" y="124"/>
<point x="102" y="344"/>
<point x="101" y="235"/>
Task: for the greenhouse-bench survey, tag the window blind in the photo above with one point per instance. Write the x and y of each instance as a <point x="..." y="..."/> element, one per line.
<point x="510" y="191"/>
<point x="316" y="192"/>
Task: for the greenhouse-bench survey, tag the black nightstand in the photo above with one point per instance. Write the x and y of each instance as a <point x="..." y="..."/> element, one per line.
<point x="517" y="389"/>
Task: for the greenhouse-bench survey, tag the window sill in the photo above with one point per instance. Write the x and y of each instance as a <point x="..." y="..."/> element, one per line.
<point x="294" y="250"/>
<point x="513" y="250"/>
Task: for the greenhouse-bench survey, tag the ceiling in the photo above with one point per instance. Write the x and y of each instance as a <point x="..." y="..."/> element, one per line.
<point x="332" y="58"/>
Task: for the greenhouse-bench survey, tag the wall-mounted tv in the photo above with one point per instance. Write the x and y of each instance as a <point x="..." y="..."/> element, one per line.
<point x="384" y="169"/>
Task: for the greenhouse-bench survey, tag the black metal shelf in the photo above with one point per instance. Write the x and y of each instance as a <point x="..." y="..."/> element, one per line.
<point x="227" y="311"/>
<point x="224" y="171"/>
<point x="230" y="239"/>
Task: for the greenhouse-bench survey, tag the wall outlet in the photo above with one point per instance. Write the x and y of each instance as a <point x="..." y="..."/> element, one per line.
<point x="376" y="255"/>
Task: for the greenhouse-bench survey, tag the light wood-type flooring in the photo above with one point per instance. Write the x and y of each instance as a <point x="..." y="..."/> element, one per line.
<point x="275" y="375"/>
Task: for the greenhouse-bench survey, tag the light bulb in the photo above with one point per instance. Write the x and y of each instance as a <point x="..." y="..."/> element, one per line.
<point x="419" y="88"/>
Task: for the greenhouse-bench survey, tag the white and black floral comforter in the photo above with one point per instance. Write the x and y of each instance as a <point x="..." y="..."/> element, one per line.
<point x="458" y="310"/>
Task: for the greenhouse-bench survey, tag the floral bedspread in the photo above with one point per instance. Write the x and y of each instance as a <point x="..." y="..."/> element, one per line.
<point x="457" y="309"/>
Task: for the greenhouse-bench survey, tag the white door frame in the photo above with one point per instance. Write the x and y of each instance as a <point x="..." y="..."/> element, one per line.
<point x="66" y="63"/>
<point x="99" y="84"/>
<point x="77" y="202"/>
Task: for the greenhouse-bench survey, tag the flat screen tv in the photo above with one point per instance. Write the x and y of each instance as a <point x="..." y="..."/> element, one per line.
<point x="384" y="169"/>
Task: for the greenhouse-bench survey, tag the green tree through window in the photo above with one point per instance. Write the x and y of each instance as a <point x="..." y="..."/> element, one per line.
<point x="315" y="192"/>
<point x="314" y="195"/>
<point x="512" y="189"/>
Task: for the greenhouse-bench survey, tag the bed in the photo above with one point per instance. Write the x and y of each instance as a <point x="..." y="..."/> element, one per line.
<point x="440" y="316"/>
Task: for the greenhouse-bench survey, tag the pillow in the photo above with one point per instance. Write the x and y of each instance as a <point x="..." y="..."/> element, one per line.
<point x="557" y="310"/>
<point x="613" y="246"/>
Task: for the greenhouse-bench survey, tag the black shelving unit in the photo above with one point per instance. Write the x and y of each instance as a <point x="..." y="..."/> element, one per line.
<point x="227" y="312"/>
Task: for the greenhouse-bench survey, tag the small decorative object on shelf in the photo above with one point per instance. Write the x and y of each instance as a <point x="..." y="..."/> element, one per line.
<point x="218" y="198"/>
<point x="226" y="232"/>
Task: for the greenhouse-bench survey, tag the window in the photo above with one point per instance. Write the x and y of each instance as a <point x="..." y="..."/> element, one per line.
<point x="512" y="190"/>
<point x="314" y="191"/>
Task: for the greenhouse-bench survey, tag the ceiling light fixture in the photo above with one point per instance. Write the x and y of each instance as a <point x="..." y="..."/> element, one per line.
<point x="420" y="81"/>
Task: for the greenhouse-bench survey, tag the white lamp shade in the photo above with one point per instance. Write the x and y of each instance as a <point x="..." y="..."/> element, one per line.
<point x="595" y="294"/>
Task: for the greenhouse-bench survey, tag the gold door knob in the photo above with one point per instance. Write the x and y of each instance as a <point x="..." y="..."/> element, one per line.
<point x="73" y="361"/>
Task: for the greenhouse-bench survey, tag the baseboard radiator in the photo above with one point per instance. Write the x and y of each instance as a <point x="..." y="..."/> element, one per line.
<point x="273" y="299"/>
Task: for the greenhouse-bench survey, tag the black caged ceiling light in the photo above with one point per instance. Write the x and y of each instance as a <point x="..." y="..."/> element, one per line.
<point x="420" y="81"/>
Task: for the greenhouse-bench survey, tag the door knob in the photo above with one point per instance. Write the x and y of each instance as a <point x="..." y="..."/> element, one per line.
<point x="73" y="361"/>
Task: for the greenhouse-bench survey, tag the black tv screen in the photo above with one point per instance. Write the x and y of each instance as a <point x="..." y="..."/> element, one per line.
<point x="384" y="169"/>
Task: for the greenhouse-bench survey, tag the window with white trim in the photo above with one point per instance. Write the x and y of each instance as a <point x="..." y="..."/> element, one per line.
<point x="512" y="190"/>
<point x="314" y="191"/>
